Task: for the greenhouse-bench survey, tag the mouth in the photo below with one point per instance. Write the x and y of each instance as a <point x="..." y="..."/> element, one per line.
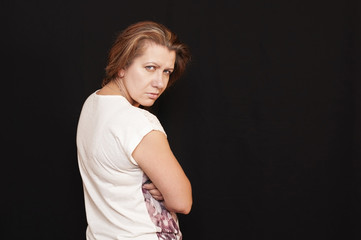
<point x="153" y="95"/>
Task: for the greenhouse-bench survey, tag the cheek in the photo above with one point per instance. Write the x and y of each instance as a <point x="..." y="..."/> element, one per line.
<point x="132" y="80"/>
<point x="166" y="81"/>
<point x="138" y="77"/>
<point x="136" y="84"/>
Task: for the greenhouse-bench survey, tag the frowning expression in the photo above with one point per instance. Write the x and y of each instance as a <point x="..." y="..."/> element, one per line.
<point x="148" y="75"/>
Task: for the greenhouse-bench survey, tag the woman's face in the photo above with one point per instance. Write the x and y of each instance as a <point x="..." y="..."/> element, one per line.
<point x="147" y="77"/>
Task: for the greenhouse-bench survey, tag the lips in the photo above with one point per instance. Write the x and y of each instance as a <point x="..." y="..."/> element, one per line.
<point x="153" y="95"/>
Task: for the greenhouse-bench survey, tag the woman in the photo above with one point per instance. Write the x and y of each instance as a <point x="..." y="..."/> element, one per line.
<point x="133" y="184"/>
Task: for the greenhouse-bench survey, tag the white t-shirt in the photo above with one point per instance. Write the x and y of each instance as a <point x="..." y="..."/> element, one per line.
<point x="117" y="207"/>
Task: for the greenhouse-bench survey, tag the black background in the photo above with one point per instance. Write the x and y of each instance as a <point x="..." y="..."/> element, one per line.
<point x="266" y="121"/>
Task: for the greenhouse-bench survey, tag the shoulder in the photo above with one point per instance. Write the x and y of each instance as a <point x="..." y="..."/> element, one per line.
<point x="149" y="116"/>
<point x="144" y="117"/>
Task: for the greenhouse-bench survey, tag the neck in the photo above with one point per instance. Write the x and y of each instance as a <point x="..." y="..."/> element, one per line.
<point x="117" y="86"/>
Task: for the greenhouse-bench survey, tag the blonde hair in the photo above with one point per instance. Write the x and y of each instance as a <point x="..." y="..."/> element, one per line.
<point x="129" y="45"/>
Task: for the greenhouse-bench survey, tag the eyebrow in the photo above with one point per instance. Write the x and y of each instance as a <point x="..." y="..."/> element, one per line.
<point x="152" y="63"/>
<point x="168" y="68"/>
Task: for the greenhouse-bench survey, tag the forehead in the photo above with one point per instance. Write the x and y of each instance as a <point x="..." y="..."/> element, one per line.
<point x="158" y="54"/>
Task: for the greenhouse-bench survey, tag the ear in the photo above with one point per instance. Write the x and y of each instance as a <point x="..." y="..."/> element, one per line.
<point x="121" y="73"/>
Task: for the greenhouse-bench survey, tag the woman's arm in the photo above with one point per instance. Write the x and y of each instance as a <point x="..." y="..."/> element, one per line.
<point x="154" y="156"/>
<point x="153" y="190"/>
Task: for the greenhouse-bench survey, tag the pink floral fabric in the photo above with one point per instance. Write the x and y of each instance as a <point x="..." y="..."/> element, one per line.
<point x="165" y="221"/>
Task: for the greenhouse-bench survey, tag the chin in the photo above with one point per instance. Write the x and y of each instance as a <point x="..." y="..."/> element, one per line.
<point x="147" y="104"/>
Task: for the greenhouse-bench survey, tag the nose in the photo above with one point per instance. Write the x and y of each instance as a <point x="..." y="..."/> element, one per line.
<point x="158" y="80"/>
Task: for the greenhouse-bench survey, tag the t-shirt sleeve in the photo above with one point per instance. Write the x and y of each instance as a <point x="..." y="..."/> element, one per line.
<point x="139" y="125"/>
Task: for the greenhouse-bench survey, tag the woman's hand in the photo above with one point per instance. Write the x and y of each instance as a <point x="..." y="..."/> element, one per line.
<point x="153" y="190"/>
<point x="156" y="159"/>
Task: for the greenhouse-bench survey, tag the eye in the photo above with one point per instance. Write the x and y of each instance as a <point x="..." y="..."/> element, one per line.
<point x="167" y="72"/>
<point x="150" y="68"/>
